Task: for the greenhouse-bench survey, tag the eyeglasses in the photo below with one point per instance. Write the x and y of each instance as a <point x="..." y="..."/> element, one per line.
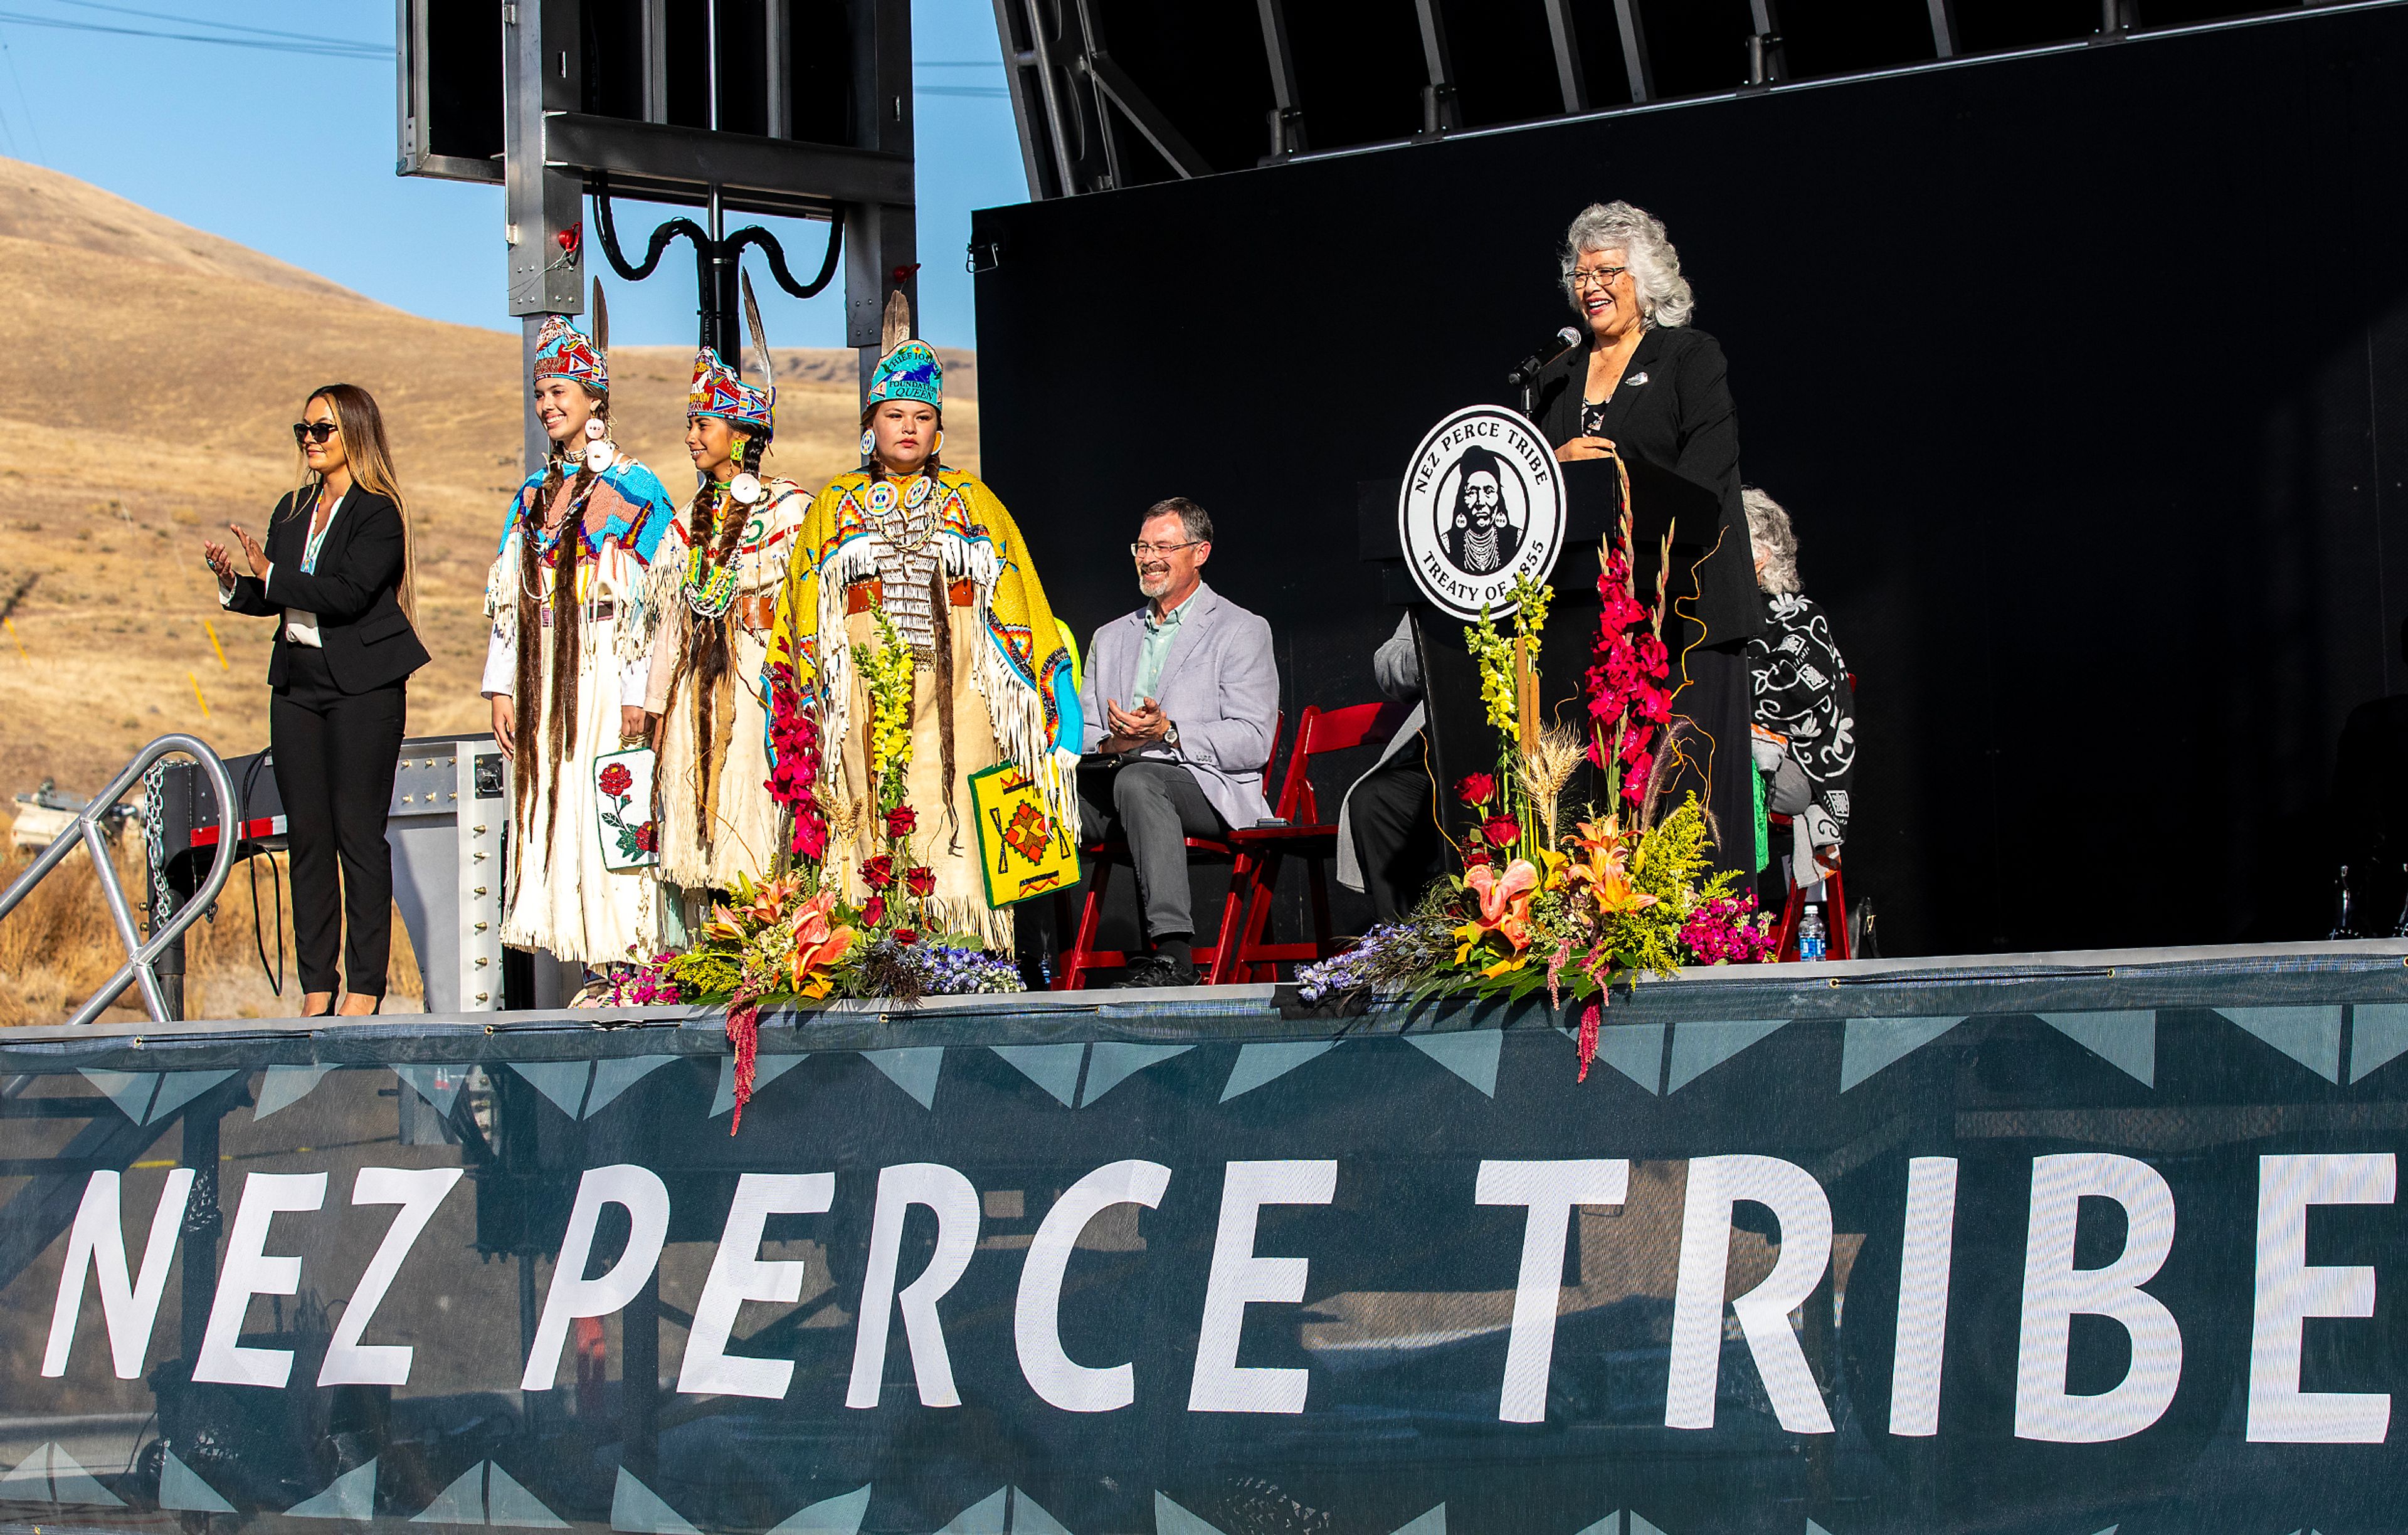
<point x="1601" y="276"/>
<point x="1141" y="550"/>
<point x="313" y="431"/>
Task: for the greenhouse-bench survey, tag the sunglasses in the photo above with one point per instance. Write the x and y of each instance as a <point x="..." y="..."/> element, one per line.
<point x="313" y="431"/>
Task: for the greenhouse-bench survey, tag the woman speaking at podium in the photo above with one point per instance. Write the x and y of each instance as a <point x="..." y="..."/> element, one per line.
<point x="1648" y="386"/>
<point x="335" y="573"/>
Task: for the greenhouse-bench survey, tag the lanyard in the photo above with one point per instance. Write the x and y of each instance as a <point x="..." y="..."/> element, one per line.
<point x="310" y="549"/>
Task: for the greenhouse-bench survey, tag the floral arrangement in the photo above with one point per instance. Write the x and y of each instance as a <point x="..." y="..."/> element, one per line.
<point x="794" y="765"/>
<point x="1573" y="905"/>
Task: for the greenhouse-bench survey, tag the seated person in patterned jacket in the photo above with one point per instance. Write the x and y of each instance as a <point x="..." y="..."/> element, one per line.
<point x="1805" y="719"/>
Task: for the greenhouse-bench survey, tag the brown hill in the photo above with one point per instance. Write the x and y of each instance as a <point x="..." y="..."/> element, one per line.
<point x="148" y="374"/>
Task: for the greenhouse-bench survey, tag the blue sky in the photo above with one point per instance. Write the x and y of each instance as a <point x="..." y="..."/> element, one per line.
<point x="293" y="155"/>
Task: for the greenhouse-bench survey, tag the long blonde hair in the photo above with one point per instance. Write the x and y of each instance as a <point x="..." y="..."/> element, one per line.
<point x="371" y="460"/>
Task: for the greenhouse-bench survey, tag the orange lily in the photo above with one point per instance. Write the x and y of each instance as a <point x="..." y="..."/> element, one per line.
<point x="1504" y="911"/>
<point x="820" y="946"/>
<point x="1601" y="868"/>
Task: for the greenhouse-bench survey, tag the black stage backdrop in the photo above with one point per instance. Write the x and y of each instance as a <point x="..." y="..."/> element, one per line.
<point x="2081" y="373"/>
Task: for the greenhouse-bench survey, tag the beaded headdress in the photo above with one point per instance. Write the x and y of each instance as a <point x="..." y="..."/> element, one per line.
<point x="563" y="351"/>
<point x="909" y="372"/>
<point x="719" y="390"/>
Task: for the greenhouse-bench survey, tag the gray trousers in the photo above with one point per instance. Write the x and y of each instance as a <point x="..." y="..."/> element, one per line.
<point x="1157" y="805"/>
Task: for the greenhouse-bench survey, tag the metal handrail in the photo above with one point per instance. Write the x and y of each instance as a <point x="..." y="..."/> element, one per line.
<point x="141" y="964"/>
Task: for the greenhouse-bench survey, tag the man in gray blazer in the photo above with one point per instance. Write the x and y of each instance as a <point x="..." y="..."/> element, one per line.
<point x="1181" y="698"/>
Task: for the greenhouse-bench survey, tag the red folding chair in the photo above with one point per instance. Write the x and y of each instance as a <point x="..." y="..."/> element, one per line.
<point x="1304" y="837"/>
<point x="1081" y="955"/>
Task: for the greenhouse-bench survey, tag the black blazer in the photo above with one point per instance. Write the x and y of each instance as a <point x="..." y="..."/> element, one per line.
<point x="1673" y="408"/>
<point x="356" y="591"/>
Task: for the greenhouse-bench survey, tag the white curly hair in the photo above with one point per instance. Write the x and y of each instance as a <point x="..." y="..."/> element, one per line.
<point x="1775" y="541"/>
<point x="1664" y="294"/>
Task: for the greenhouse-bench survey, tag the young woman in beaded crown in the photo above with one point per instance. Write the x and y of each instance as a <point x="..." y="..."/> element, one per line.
<point x="717" y="820"/>
<point x="571" y="598"/>
<point x="911" y="584"/>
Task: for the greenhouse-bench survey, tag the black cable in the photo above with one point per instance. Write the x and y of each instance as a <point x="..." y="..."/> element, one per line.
<point x="242" y="821"/>
<point x="661" y="236"/>
<point x="756" y="236"/>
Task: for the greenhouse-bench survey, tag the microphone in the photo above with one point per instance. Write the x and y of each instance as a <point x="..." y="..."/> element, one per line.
<point x="1565" y="340"/>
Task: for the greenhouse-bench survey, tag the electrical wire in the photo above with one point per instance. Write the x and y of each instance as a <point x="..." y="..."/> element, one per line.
<point x="203" y="21"/>
<point x="322" y="48"/>
<point x="41" y="156"/>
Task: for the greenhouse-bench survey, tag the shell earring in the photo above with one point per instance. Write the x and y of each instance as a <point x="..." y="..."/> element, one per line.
<point x="869" y="443"/>
<point x="937" y="446"/>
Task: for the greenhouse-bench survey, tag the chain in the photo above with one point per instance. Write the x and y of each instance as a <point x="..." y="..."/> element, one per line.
<point x="154" y="851"/>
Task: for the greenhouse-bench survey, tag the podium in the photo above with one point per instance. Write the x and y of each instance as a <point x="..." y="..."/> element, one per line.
<point x="1704" y="598"/>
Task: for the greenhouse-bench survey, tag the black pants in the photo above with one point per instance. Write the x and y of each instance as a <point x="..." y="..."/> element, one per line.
<point x="1715" y="703"/>
<point x="1393" y="814"/>
<point x="335" y="755"/>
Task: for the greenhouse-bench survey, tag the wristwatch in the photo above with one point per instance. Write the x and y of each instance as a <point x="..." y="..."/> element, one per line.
<point x="1170" y="735"/>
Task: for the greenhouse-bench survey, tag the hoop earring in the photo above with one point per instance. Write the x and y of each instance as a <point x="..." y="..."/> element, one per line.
<point x="937" y="447"/>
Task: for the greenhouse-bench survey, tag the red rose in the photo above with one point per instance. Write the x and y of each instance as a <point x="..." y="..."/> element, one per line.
<point x="874" y="910"/>
<point x="616" y="779"/>
<point x="1477" y="789"/>
<point x="902" y="821"/>
<point x="879" y="871"/>
<point x="921" y="880"/>
<point x="1474" y="854"/>
<point x="905" y="934"/>
<point x="1502" y="831"/>
<point x="648" y="837"/>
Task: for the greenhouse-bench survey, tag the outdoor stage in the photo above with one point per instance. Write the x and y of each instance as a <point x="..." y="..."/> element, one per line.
<point x="1175" y="1262"/>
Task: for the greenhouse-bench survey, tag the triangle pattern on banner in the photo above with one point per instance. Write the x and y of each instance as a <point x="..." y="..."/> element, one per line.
<point x="914" y="1069"/>
<point x="129" y="1090"/>
<point x="1029" y="1517"/>
<point x="177" y="1088"/>
<point x="2310" y="1036"/>
<point x="72" y="1486"/>
<point x="2126" y="1041"/>
<point x="2110" y="1530"/>
<point x="1813" y="1528"/>
<point x="461" y="1503"/>
<point x="1432" y="1523"/>
<point x="30" y="1483"/>
<point x="349" y="1496"/>
<point x="1640" y="1527"/>
<point x="1872" y="1043"/>
<point x="638" y="1509"/>
<point x="614" y="1076"/>
<point x="766" y="1069"/>
<point x="1471" y="1054"/>
<point x="1052" y="1067"/>
<point x="1699" y="1048"/>
<point x="437" y="1084"/>
<point x="509" y="1504"/>
<point x="2378" y="1035"/>
<point x="563" y="1081"/>
<point x="1113" y="1062"/>
<point x="1260" y="1063"/>
<point x="285" y="1085"/>
<point x="1169" y="1518"/>
<point x="1636" y="1051"/>
<point x="1610" y="1525"/>
<point x="983" y="1517"/>
<point x="839" y="1515"/>
<point x="180" y="1487"/>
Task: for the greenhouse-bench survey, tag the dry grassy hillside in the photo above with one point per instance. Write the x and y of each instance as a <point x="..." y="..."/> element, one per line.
<point x="148" y="375"/>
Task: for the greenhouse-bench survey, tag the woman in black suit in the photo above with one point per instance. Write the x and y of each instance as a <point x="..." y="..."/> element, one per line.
<point x="335" y="575"/>
<point x="1647" y="386"/>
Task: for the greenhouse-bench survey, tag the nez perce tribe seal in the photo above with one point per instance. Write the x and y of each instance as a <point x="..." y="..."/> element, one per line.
<point x="1482" y="503"/>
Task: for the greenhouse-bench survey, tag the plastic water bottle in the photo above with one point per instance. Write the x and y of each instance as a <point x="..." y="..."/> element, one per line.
<point x="1810" y="935"/>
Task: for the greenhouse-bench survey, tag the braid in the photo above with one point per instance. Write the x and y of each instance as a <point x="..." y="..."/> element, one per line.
<point x="527" y="687"/>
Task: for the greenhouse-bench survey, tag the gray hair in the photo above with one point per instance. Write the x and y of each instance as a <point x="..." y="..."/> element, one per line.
<point x="1664" y="295"/>
<point x="1775" y="541"/>
<point x="1194" y="521"/>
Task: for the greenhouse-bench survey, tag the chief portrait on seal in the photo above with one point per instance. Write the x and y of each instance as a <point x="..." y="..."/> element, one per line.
<point x="1480" y="539"/>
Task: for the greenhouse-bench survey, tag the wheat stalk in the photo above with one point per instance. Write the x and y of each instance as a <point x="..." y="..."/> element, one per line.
<point x="1547" y="766"/>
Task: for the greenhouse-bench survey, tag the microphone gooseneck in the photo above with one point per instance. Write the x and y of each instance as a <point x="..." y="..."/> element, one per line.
<point x="1528" y="369"/>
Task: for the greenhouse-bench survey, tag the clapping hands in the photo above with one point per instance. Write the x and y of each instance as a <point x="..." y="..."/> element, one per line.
<point x="220" y="561"/>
